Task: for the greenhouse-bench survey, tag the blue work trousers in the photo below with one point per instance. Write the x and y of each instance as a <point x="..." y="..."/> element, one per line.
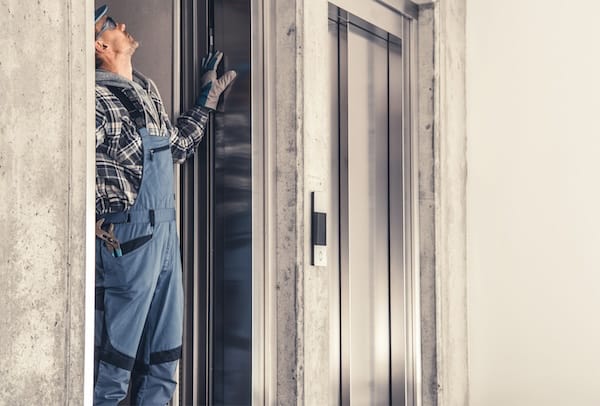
<point x="139" y="295"/>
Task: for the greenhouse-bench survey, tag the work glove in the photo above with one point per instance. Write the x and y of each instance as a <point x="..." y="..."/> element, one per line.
<point x="212" y="87"/>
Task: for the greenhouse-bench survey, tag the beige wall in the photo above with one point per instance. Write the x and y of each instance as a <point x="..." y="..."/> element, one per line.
<point x="533" y="202"/>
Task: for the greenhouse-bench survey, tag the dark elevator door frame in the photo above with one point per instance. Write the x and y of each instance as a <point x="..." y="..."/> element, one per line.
<point x="216" y="214"/>
<point x="195" y="217"/>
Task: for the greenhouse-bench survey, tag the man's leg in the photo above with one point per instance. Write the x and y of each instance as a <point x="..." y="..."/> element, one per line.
<point x="128" y="283"/>
<point x="162" y="348"/>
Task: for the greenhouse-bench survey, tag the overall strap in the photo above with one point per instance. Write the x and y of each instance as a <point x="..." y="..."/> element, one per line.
<point x="136" y="114"/>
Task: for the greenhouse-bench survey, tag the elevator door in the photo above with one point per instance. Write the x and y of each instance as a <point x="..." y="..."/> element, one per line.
<point x="231" y="331"/>
<point x="216" y="214"/>
<point x="367" y="230"/>
<point x="374" y="212"/>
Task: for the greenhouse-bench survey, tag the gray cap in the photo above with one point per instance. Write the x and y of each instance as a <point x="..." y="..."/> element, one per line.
<point x="100" y="12"/>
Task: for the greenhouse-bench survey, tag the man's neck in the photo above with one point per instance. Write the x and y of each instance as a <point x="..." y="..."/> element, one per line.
<point x="122" y="68"/>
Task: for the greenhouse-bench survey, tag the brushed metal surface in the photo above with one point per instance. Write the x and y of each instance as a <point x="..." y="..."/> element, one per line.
<point x="378" y="333"/>
<point x="232" y="254"/>
<point x="398" y="189"/>
<point x="195" y="209"/>
<point x="368" y="218"/>
<point x="333" y="220"/>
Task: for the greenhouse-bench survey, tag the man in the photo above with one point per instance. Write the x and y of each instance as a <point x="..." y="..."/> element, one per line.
<point x="139" y="304"/>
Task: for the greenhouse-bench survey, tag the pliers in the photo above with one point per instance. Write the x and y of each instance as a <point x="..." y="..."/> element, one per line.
<point x="109" y="238"/>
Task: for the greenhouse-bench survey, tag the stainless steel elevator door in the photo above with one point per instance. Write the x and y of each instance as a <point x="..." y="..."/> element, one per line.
<point x="217" y="213"/>
<point x="231" y="348"/>
<point x="399" y="192"/>
<point x="368" y="261"/>
<point x="371" y="130"/>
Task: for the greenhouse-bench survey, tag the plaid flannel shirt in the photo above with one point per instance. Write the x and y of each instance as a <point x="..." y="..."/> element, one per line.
<point x="119" y="154"/>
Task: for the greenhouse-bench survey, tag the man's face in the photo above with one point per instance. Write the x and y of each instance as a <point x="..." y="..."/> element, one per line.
<point x="115" y="37"/>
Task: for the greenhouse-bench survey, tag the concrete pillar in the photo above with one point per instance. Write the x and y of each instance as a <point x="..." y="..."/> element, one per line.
<point x="45" y="124"/>
<point x="315" y="103"/>
<point x="427" y="156"/>
<point x="450" y="138"/>
<point x="442" y="202"/>
<point x="300" y="157"/>
<point x="285" y="215"/>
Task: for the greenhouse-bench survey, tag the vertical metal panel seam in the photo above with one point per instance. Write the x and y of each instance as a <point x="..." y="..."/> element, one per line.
<point x="343" y="52"/>
<point x="270" y="194"/>
<point x="414" y="207"/>
<point x="389" y="228"/>
<point x="259" y="202"/>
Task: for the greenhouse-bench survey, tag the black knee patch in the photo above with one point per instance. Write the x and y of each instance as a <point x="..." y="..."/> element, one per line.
<point x="165" y="356"/>
<point x="141" y="368"/>
<point x="111" y="356"/>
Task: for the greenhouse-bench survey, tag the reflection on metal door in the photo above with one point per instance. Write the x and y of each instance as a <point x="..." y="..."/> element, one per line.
<point x="216" y="213"/>
<point x="232" y="233"/>
<point x="375" y="263"/>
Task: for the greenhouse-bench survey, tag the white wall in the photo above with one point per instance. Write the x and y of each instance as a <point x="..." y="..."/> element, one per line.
<point x="533" y="216"/>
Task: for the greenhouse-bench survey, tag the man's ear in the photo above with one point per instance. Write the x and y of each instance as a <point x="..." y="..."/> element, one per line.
<point x="101" y="46"/>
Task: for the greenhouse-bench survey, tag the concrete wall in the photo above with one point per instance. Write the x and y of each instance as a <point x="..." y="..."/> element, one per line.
<point x="426" y="158"/>
<point x="450" y="171"/>
<point x="315" y="153"/>
<point x="298" y="123"/>
<point x="284" y="221"/>
<point x="533" y="218"/>
<point x="45" y="119"/>
<point x="442" y="202"/>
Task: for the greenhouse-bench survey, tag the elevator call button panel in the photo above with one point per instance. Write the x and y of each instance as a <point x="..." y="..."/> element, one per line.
<point x="319" y="230"/>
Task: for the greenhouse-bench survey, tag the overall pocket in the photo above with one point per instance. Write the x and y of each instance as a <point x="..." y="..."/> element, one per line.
<point x="136" y="245"/>
<point x="158" y="149"/>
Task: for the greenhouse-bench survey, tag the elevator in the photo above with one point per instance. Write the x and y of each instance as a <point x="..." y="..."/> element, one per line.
<point x="371" y="219"/>
<point x="373" y="210"/>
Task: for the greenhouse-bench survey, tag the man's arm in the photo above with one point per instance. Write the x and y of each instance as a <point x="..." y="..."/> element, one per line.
<point x="187" y="133"/>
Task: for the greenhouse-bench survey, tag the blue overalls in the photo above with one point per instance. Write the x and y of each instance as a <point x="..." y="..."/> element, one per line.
<point x="139" y="295"/>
